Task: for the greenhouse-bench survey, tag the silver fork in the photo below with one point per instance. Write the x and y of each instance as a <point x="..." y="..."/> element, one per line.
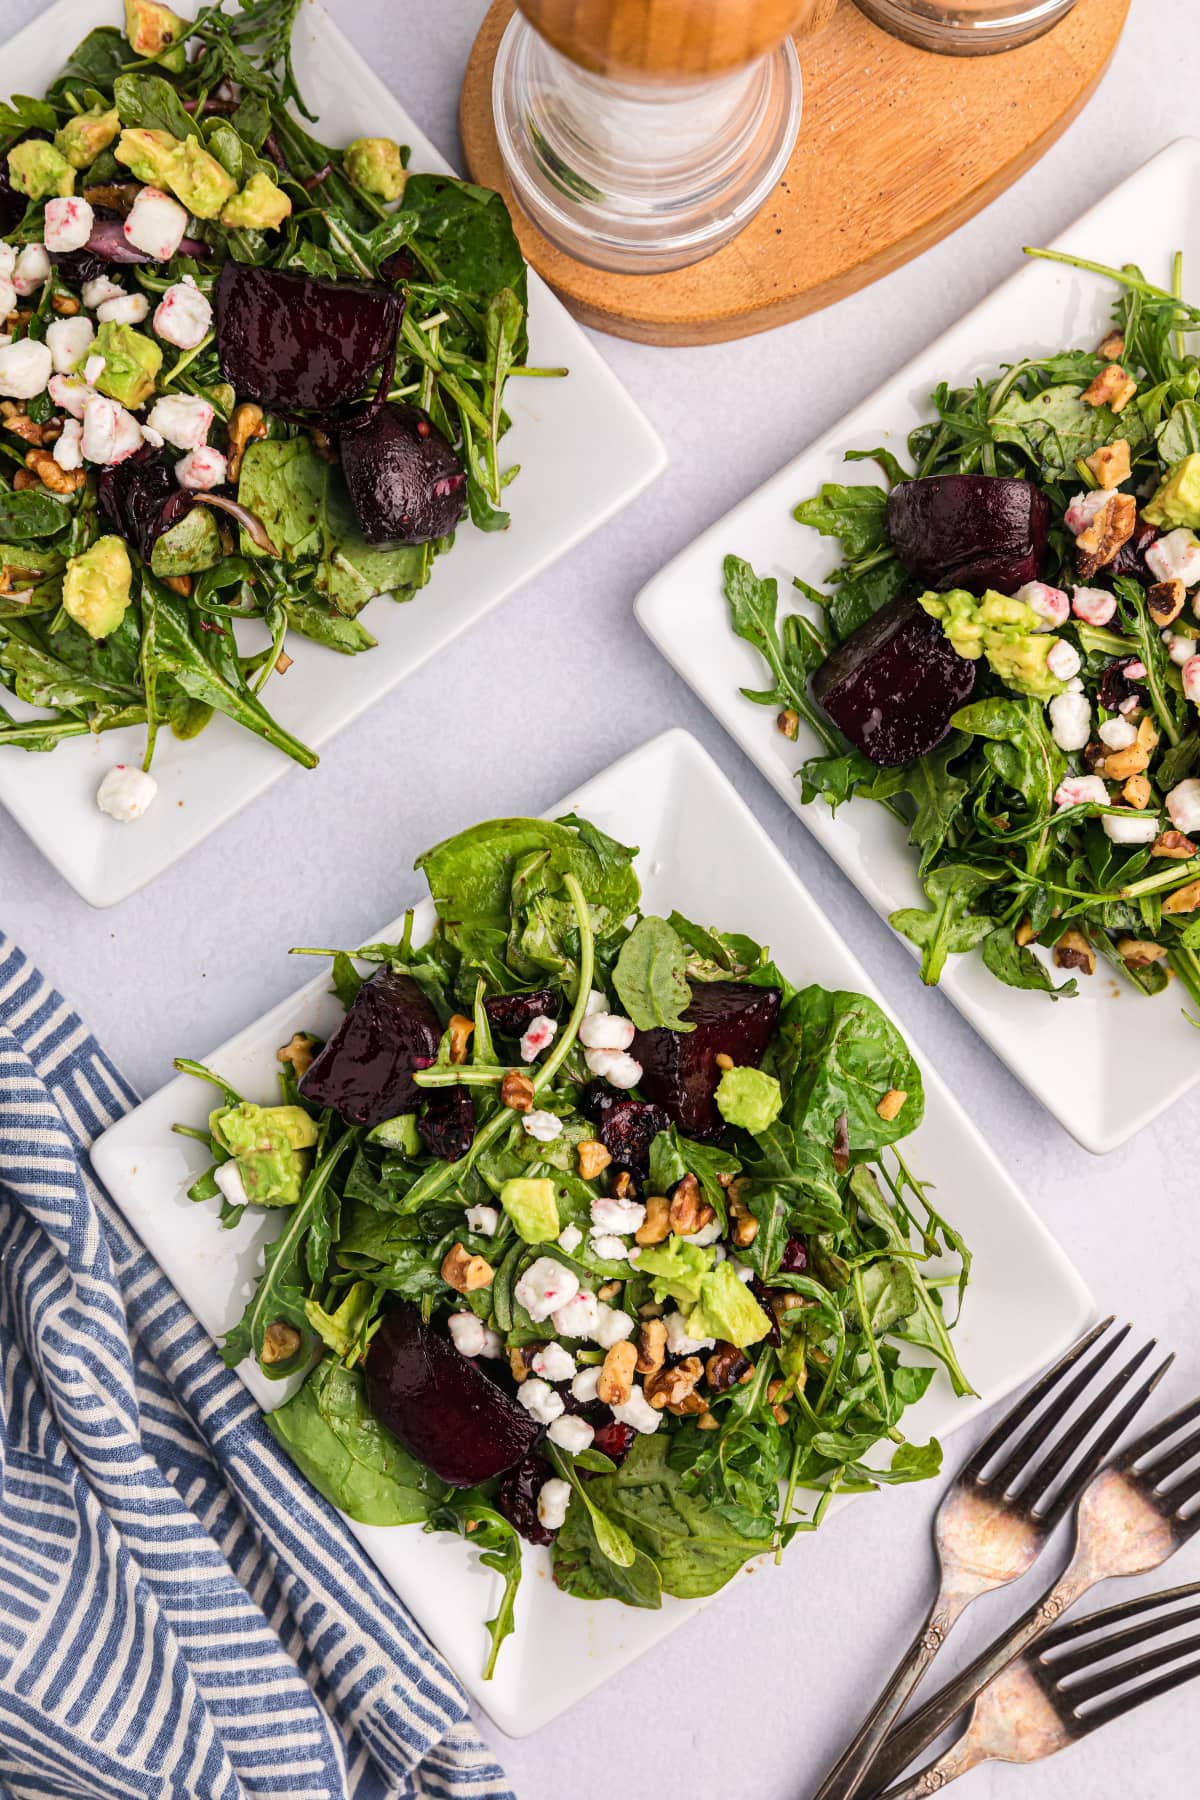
<point x="1032" y="1708"/>
<point x="986" y="1534"/>
<point x="1127" y="1522"/>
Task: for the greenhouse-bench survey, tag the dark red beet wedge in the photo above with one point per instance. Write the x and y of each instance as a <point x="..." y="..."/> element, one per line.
<point x="406" y="484"/>
<point x="447" y="1125"/>
<point x="12" y="204"/>
<point x="141" y="498"/>
<point x="441" y="1405"/>
<point x="894" y="685"/>
<point x="627" y="1127"/>
<point x="969" y="531"/>
<point x="365" y="1070"/>
<point x="1116" y="687"/>
<point x="679" y="1068"/>
<point x="512" y="1014"/>
<point x="518" y="1498"/>
<point x="294" y="341"/>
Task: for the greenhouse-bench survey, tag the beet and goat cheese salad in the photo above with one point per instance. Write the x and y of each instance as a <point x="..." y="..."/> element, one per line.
<point x="1007" y="656"/>
<point x="596" y="1232"/>
<point x="248" y="382"/>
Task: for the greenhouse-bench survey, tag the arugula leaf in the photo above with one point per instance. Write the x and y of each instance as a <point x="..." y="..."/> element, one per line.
<point x="948" y="927"/>
<point x="1020" y="748"/>
<point x="650" y="976"/>
<point x="1017" y="966"/>
<point x="21" y="114"/>
<point x="856" y="516"/>
<point x="1055" y="428"/>
<point x="466" y="236"/>
<point x="753" y="606"/>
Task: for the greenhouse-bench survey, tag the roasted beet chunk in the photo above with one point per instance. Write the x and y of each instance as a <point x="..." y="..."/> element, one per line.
<point x="794" y="1260"/>
<point x="12" y="204"/>
<point x="679" y="1068"/>
<point x="969" y="531"/>
<point x="1116" y="687"/>
<point x="512" y="1014"/>
<point x="441" y="1404"/>
<point x="518" y="1498"/>
<point x="141" y="498"/>
<point x="614" y="1440"/>
<point x="894" y="685"/>
<point x="406" y="484"/>
<point x="294" y="341"/>
<point x="447" y="1125"/>
<point x="77" y="266"/>
<point x="627" y="1127"/>
<point x="365" y="1070"/>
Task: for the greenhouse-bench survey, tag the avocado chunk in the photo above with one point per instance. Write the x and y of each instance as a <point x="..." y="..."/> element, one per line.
<point x="530" y="1204"/>
<point x="156" y="32"/>
<point x="193" y="544"/>
<point x="1002" y="629"/>
<point x="131" y="362"/>
<point x="748" y="1098"/>
<point x="376" y="166"/>
<point x="399" y="1133"/>
<point x="261" y="206"/>
<point x="727" y="1309"/>
<point x="1177" y="501"/>
<point x="82" y="138"/>
<point x="677" y="1270"/>
<point x="96" y="586"/>
<point x="268" y="1143"/>
<point x="39" y="171"/>
<point x="180" y="165"/>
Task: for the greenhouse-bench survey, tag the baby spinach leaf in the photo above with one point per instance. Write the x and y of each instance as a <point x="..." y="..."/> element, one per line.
<point x="466" y="235"/>
<point x="31" y="514"/>
<point x="149" y="102"/>
<point x="1020" y="747"/>
<point x="845" y="1055"/>
<point x="948" y="927"/>
<point x="1180" y="436"/>
<point x="332" y="629"/>
<point x="856" y="516"/>
<point x="650" y="976"/>
<point x="21" y="113"/>
<point x="97" y="61"/>
<point x="335" y="1440"/>
<point x="581" y="1567"/>
<point x="1017" y="966"/>
<point x="1055" y="427"/>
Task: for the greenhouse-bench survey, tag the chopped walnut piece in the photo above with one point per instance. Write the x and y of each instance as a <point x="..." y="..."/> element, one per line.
<point x="66" y="305"/>
<point x="280" y="1342"/>
<point x="460" y="1029"/>
<point x="22" y="426"/>
<point x="1112" y="347"/>
<point x="1139" y="953"/>
<point x="23" y="479"/>
<point x="1073" y="951"/>
<point x="707" y="1421"/>
<point x="689" y="1212"/>
<point x="671" y="1386"/>
<point x="47" y="471"/>
<point x="1176" y="846"/>
<point x="1112" y="526"/>
<point x="593" y="1158"/>
<point x="1119" y="765"/>
<point x="516" y="1091"/>
<point x="463" y="1272"/>
<point x="299" y="1050"/>
<point x="774" y="1389"/>
<point x="652" y="1347"/>
<point x="1164" y="602"/>
<point x="178" y="584"/>
<point x="745" y="1225"/>
<point x="608" y="1290"/>
<point x="246" y="424"/>
<point x="1137" y="792"/>
<point x="1112" y="388"/>
<point x="788" y="722"/>
<point x="1110" y="463"/>
<point x="519" y="1362"/>
<point x="616" y="1377"/>
<point x="1183" y="900"/>
<point x="692" y="1403"/>
<point x="1025" y="934"/>
<point x="656" y="1226"/>
<point x="892" y="1104"/>
<point x="624" y="1186"/>
<point x="726" y="1367"/>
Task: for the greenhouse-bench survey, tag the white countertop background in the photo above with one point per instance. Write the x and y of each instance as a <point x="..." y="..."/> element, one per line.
<point x="753" y="1697"/>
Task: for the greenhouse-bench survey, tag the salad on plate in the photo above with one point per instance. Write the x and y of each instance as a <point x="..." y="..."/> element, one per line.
<point x="1006" y="655"/>
<point x="248" y="382"/>
<point x="597" y="1234"/>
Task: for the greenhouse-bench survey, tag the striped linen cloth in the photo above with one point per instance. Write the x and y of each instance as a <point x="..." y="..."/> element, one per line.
<point x="180" y="1614"/>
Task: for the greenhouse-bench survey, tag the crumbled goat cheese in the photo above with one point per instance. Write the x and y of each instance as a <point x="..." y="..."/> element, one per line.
<point x="125" y="794"/>
<point x="539" y="1037"/>
<point x="540" y="1400"/>
<point x="483" y="1219"/>
<point x="543" y="1126"/>
<point x="554" y="1497"/>
<point x="545" y="1287"/>
<point x="571" y="1433"/>
<point x="68" y="224"/>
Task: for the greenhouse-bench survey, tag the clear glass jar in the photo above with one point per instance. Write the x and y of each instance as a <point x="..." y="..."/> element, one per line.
<point x="966" y="27"/>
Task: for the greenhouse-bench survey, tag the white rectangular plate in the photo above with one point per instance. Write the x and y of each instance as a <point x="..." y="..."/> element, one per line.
<point x="704" y="853"/>
<point x="584" y="448"/>
<point x="1105" y="1064"/>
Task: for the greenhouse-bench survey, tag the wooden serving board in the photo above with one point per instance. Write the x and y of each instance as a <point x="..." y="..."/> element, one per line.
<point x="897" y="147"/>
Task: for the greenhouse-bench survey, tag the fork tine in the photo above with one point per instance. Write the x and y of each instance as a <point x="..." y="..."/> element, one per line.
<point x="1063" y="1667"/>
<point x="1050" y="1470"/>
<point x="1182" y="1492"/>
<point x="1029" y="1402"/>
<point x="1070" y="1629"/>
<point x="1158" y="1434"/>
<point x="1129" y="1670"/>
<point x="1113" y="1709"/>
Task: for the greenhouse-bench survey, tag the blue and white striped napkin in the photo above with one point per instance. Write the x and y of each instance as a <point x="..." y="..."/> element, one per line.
<point x="180" y="1614"/>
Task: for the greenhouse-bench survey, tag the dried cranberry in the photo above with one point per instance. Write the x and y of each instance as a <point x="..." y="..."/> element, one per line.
<point x="1130" y="559"/>
<point x="447" y="1126"/>
<point x="512" y="1014"/>
<point x="764" y="1297"/>
<point x="1115" y="685"/>
<point x="614" y="1440"/>
<point x="627" y="1127"/>
<point x="518" y="1498"/>
<point x="794" y="1260"/>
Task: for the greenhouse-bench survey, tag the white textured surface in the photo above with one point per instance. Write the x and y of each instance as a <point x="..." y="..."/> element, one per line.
<point x="754" y="1696"/>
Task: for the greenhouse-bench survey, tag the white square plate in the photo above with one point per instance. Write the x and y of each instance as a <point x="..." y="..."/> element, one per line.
<point x="584" y="448"/>
<point x="702" y="852"/>
<point x="1105" y="1064"/>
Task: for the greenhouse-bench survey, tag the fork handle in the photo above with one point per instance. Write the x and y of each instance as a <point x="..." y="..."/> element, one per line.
<point x="917" y="1733"/>
<point x="965" y="1754"/>
<point x="846" y="1776"/>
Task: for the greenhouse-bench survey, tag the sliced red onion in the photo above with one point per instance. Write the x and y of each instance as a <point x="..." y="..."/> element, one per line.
<point x="108" y="241"/>
<point x="250" y="522"/>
